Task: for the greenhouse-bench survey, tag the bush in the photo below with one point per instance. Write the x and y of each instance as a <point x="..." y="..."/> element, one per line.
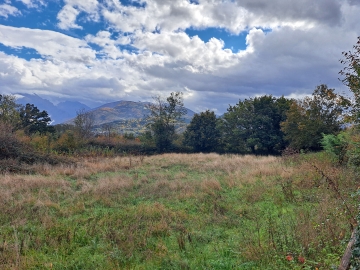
<point x="14" y="152"/>
<point x="353" y="151"/>
<point x="336" y="145"/>
<point x="67" y="143"/>
<point x="10" y="146"/>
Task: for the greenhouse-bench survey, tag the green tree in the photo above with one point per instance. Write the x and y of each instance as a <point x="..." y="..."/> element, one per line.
<point x="9" y="110"/>
<point x="33" y="120"/>
<point x="336" y="146"/>
<point x="351" y="76"/>
<point x="253" y="125"/>
<point x="202" y="133"/>
<point x="308" y="119"/>
<point x="164" y="115"/>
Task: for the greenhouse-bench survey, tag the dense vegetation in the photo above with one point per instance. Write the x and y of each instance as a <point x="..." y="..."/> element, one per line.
<point x="75" y="199"/>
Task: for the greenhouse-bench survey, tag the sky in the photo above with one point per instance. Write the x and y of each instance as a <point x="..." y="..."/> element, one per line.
<point x="214" y="51"/>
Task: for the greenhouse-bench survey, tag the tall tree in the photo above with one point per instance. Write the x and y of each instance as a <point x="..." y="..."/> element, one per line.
<point x="33" y="120"/>
<point x="351" y="76"/>
<point x="253" y="125"/>
<point x="9" y="110"/>
<point x="309" y="118"/>
<point x="202" y="133"/>
<point x="163" y="117"/>
<point x="84" y="123"/>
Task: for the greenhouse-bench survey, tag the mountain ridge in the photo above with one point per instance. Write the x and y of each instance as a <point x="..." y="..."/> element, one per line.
<point x="58" y="113"/>
<point x="125" y="110"/>
<point x="120" y="113"/>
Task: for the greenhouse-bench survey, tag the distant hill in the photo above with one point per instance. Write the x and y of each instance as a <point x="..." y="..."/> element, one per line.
<point x="119" y="111"/>
<point x="123" y="116"/>
<point x="58" y="113"/>
<point x="126" y="117"/>
<point x="125" y="110"/>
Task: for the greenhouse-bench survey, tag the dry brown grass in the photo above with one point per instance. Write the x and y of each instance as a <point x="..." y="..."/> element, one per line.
<point x="17" y="189"/>
<point x="232" y="169"/>
<point x="109" y="185"/>
<point x="211" y="186"/>
<point x="88" y="166"/>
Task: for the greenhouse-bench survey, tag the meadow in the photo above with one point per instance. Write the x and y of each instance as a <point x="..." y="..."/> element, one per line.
<point x="178" y="211"/>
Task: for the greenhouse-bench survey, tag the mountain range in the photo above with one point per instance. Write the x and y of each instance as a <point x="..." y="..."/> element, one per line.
<point x="59" y="113"/>
<point x="124" y="116"/>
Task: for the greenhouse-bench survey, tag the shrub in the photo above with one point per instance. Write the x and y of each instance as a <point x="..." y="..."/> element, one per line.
<point x="10" y="146"/>
<point x="336" y="145"/>
<point x="15" y="151"/>
<point x="353" y="151"/>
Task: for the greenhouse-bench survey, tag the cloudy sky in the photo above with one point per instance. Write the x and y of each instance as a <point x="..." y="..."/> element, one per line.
<point x="214" y="51"/>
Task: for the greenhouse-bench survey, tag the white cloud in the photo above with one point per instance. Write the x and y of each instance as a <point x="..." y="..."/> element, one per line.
<point x="109" y="46"/>
<point x="235" y="16"/>
<point x="292" y="46"/>
<point x="67" y="18"/>
<point x="89" y="6"/>
<point x="68" y="14"/>
<point x="48" y="44"/>
<point x="174" y="15"/>
<point x="8" y="10"/>
<point x="33" y="3"/>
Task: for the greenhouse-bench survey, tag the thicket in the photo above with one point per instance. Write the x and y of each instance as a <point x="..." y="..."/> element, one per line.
<point x="16" y="151"/>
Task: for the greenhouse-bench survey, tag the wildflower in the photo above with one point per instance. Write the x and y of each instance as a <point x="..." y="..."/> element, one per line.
<point x="301" y="259"/>
<point x="289" y="257"/>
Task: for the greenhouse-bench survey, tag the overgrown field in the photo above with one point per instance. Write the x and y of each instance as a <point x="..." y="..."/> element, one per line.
<point x="178" y="211"/>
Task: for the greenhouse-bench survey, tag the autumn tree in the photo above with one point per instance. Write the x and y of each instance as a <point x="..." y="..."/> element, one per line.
<point x="308" y="119"/>
<point x="202" y="133"/>
<point x="164" y="115"/>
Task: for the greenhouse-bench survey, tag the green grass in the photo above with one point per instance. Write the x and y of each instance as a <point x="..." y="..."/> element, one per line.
<point x="175" y="212"/>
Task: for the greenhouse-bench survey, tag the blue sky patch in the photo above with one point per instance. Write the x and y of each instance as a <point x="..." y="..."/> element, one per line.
<point x="34" y="18"/>
<point x="23" y="52"/>
<point x="233" y="42"/>
<point x="133" y="3"/>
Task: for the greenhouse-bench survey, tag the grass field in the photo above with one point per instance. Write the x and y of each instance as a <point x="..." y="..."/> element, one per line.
<point x="178" y="211"/>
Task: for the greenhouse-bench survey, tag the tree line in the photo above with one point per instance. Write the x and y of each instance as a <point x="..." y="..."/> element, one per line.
<point x="270" y="125"/>
<point x="258" y="125"/>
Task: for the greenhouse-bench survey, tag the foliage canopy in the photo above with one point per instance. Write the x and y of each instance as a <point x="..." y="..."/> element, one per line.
<point x="308" y="119"/>
<point x="163" y="117"/>
<point x="351" y="75"/>
<point x="202" y="133"/>
<point x="253" y="125"/>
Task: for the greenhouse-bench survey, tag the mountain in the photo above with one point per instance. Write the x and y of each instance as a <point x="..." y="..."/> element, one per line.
<point x="123" y="116"/>
<point x="126" y="117"/>
<point x="72" y="107"/>
<point x="58" y="113"/>
<point x="119" y="111"/>
<point x="126" y="110"/>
